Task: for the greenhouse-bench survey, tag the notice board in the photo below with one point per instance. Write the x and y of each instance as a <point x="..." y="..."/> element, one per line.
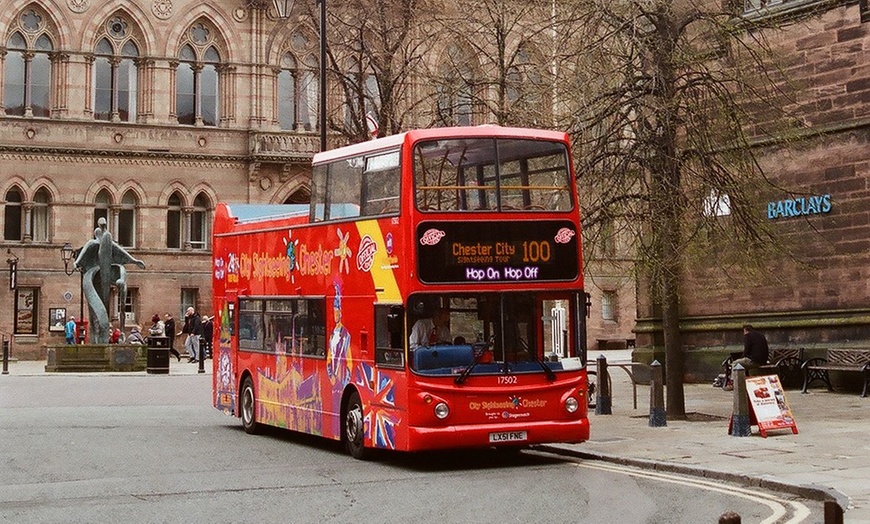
<point x="768" y="407"/>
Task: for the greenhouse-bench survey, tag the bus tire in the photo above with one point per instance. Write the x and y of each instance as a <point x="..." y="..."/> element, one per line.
<point x="248" y="407"/>
<point x="354" y="428"/>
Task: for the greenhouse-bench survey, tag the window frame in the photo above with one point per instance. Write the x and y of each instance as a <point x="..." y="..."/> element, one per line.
<point x="258" y="311"/>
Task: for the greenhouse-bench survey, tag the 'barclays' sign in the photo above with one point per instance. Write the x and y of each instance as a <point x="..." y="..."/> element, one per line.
<point x="814" y="205"/>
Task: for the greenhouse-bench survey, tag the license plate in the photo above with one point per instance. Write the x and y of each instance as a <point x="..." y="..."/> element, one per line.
<point x="508" y="436"/>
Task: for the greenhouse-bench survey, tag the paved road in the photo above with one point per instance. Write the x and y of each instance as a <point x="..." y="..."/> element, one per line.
<point x="146" y="448"/>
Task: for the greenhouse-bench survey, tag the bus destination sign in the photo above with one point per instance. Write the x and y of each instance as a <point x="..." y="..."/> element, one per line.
<point x="505" y="251"/>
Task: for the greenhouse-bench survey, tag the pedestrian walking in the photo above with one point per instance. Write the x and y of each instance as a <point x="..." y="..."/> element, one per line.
<point x="169" y="330"/>
<point x="207" y="333"/>
<point x="193" y="329"/>
<point x="70" y="330"/>
<point x="158" y="329"/>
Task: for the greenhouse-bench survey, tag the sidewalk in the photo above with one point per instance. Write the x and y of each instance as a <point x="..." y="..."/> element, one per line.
<point x="37" y="367"/>
<point x="828" y="458"/>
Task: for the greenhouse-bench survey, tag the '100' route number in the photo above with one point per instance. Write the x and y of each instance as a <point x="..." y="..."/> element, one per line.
<point x="536" y="251"/>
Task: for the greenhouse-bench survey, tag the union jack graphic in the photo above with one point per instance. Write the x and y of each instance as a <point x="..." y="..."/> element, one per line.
<point x="377" y="390"/>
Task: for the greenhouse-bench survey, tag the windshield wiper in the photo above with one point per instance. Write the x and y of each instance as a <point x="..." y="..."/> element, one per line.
<point x="465" y="372"/>
<point x="549" y="372"/>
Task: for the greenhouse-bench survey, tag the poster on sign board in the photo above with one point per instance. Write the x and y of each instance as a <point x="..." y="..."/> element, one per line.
<point x="768" y="404"/>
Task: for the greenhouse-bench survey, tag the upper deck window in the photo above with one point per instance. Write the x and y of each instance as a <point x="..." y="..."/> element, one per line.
<point x="485" y="174"/>
<point x="364" y="185"/>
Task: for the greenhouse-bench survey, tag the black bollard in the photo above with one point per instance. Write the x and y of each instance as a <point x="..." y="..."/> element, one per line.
<point x="729" y="517"/>
<point x="5" y="356"/>
<point x="602" y="396"/>
<point x="657" y="415"/>
<point x="201" y="356"/>
<point x="740" y="425"/>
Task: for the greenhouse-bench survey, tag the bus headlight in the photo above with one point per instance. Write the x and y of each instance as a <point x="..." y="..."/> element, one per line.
<point x="441" y="410"/>
<point x="571" y="404"/>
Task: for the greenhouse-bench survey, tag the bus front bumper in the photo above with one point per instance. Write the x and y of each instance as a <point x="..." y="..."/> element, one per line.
<point x="505" y="435"/>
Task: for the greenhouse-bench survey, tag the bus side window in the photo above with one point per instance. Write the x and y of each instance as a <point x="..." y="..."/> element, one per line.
<point x="315" y="328"/>
<point x="389" y="336"/>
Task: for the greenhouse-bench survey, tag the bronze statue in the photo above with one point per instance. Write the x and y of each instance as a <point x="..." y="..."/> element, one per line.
<point x="102" y="262"/>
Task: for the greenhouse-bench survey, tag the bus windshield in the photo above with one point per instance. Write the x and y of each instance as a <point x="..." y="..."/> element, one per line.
<point x="490" y="333"/>
<point x="491" y="174"/>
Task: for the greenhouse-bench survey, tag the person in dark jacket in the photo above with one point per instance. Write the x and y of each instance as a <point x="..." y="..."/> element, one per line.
<point x="207" y="333"/>
<point x="755" y="350"/>
<point x="169" y="330"/>
<point x="193" y="329"/>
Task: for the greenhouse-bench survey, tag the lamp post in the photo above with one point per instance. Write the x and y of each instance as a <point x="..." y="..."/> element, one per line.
<point x="283" y="9"/>
<point x="66" y="254"/>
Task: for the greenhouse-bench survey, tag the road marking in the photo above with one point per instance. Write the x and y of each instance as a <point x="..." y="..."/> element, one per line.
<point x="777" y="505"/>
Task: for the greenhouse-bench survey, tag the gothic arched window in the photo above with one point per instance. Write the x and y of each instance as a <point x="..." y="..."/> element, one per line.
<point x="12" y="215"/>
<point x="199" y="222"/>
<point x="27" y="68"/>
<point x="40" y="219"/>
<point x="287" y="79"/>
<point x="455" y="89"/>
<point x="116" y="74"/>
<point x="127" y="219"/>
<point x="101" y="206"/>
<point x="197" y="80"/>
<point x="173" y="221"/>
<point x="298" y="86"/>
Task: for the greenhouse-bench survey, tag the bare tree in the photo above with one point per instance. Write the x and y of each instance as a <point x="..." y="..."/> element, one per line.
<point x="375" y="50"/>
<point x="668" y="93"/>
<point x="498" y="60"/>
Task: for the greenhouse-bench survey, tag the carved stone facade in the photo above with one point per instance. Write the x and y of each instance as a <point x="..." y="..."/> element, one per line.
<point x="154" y="179"/>
<point x="148" y="113"/>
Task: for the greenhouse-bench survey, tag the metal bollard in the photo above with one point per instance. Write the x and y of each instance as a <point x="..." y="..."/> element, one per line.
<point x="5" y="356"/>
<point x="201" y="356"/>
<point x="729" y="517"/>
<point x="833" y="512"/>
<point x="602" y="395"/>
<point x="740" y="425"/>
<point x="657" y="415"/>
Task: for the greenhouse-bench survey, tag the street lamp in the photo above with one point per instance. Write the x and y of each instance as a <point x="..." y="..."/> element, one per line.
<point x="283" y="9"/>
<point x="66" y="254"/>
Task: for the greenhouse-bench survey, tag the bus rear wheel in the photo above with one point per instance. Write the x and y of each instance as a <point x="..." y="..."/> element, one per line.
<point x="354" y="428"/>
<point x="248" y="407"/>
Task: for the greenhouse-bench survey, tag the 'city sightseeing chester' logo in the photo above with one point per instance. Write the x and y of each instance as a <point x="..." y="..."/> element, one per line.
<point x="366" y="254"/>
<point x="564" y="236"/>
<point x="432" y="237"/>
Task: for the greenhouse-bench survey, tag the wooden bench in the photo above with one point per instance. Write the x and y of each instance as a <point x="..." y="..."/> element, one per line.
<point x="847" y="360"/>
<point x="784" y="362"/>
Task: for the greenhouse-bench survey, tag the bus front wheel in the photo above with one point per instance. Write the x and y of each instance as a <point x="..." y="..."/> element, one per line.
<point x="354" y="428"/>
<point x="248" y="407"/>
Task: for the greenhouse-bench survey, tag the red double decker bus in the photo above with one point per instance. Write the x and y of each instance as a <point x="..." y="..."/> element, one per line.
<point x="429" y="297"/>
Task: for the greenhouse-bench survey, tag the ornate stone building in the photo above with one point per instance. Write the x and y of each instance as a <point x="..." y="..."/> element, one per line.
<point x="146" y="113"/>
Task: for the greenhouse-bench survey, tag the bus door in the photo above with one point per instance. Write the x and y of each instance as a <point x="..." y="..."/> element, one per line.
<point x="225" y="359"/>
<point x="390" y="335"/>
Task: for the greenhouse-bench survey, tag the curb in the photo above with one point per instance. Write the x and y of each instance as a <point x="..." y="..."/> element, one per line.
<point x="807" y="491"/>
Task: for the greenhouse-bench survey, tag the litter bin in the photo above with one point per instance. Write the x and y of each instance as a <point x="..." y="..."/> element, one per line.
<point x="158" y="356"/>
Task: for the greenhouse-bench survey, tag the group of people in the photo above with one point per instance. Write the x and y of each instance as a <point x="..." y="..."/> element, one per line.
<point x="198" y="331"/>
